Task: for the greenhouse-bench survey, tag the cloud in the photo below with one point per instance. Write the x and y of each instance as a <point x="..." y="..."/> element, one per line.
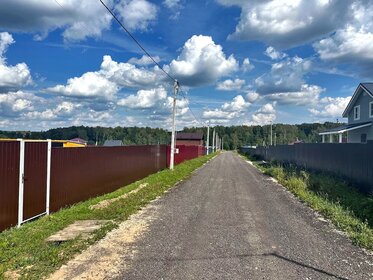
<point x="265" y="115"/>
<point x="307" y="95"/>
<point x="285" y="23"/>
<point x="228" y="111"/>
<point x="137" y="14"/>
<point x="79" y="19"/>
<point x="175" y="7"/>
<point x="273" y="54"/>
<point x="202" y="62"/>
<point x="246" y="65"/>
<point x="252" y="96"/>
<point x="11" y="77"/>
<point x="128" y="75"/>
<point x="144" y="60"/>
<point x="144" y="99"/>
<point x="230" y="85"/>
<point x="330" y="107"/>
<point x="12" y="104"/>
<point x="354" y="42"/>
<point x="90" y="84"/>
<point x="62" y="110"/>
<point x="285" y="76"/>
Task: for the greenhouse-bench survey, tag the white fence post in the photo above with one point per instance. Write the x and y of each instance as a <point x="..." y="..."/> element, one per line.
<point x="49" y="158"/>
<point x="21" y="180"/>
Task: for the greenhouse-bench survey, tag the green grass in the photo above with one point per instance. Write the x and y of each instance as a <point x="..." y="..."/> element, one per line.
<point x="349" y="210"/>
<point x="25" y="251"/>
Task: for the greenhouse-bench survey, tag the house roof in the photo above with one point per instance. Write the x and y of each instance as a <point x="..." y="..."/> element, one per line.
<point x="113" y="143"/>
<point x="189" y="136"/>
<point x="345" y="128"/>
<point x="367" y="87"/>
<point x="78" y="140"/>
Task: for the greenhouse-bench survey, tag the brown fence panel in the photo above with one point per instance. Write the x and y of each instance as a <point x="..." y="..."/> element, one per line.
<point x="9" y="174"/>
<point x="81" y="173"/>
<point x="35" y="179"/>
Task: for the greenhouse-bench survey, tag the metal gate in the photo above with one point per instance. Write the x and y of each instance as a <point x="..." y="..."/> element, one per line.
<point x="34" y="179"/>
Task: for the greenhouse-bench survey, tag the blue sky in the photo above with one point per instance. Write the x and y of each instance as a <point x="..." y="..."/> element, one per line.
<point x="67" y="62"/>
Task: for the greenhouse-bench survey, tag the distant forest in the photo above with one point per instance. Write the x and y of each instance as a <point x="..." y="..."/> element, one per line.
<point x="233" y="136"/>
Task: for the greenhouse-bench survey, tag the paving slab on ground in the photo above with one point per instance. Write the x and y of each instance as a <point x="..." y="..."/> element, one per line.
<point x="79" y="228"/>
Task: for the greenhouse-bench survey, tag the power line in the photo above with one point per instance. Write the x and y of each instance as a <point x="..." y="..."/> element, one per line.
<point x="147" y="53"/>
<point x="136" y="41"/>
<point x="190" y="110"/>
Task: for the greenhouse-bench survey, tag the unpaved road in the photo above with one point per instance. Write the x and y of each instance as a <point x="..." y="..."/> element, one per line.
<point x="228" y="221"/>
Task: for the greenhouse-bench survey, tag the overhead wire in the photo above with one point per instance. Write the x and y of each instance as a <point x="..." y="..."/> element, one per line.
<point x="149" y="55"/>
<point x="136" y="41"/>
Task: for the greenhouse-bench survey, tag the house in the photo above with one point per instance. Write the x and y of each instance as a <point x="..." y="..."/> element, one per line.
<point x="76" y="142"/>
<point x="189" y="139"/>
<point x="359" y="112"/>
<point x="113" y="143"/>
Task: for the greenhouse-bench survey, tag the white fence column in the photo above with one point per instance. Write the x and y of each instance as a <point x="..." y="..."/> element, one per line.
<point x="21" y="187"/>
<point x="49" y="158"/>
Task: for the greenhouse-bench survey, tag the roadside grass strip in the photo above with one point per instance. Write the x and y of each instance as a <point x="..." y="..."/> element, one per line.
<point x="25" y="253"/>
<point x="348" y="209"/>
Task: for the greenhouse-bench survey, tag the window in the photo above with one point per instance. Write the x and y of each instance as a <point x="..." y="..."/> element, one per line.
<point x="371" y="109"/>
<point x="357" y="113"/>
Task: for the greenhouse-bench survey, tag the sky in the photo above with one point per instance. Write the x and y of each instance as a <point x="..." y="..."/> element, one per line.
<point x="238" y="62"/>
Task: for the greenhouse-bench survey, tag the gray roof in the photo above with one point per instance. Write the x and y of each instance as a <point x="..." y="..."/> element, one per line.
<point x="345" y="128"/>
<point x="189" y="136"/>
<point x="368" y="87"/>
<point x="113" y="143"/>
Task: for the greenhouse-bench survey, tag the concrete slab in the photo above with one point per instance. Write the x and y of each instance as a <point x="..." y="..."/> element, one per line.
<point x="80" y="228"/>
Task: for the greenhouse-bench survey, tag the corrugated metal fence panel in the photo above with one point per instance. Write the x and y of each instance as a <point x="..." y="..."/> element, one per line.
<point x="9" y="174"/>
<point x="35" y="179"/>
<point x="81" y="173"/>
<point x="353" y="161"/>
<point x="185" y="153"/>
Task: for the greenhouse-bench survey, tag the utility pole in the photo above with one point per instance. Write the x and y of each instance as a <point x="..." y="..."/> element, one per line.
<point x="275" y="139"/>
<point x="176" y="89"/>
<point x="213" y="140"/>
<point x="217" y="142"/>
<point x="222" y="142"/>
<point x="208" y="139"/>
<point x="271" y="134"/>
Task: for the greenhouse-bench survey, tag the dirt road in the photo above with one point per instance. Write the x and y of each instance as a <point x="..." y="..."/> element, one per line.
<point x="228" y="221"/>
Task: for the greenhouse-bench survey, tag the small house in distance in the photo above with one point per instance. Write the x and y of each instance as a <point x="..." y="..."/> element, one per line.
<point x="113" y="143"/>
<point x="359" y="112"/>
<point x="189" y="139"/>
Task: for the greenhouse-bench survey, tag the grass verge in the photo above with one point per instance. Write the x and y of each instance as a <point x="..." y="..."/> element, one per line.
<point x="349" y="210"/>
<point x="24" y="252"/>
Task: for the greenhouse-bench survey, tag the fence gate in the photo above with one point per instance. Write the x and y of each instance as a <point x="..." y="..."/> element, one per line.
<point x="34" y="179"/>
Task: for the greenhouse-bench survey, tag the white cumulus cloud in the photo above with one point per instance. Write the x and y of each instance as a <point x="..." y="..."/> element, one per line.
<point x="202" y="62"/>
<point x="144" y="98"/>
<point x="137" y="14"/>
<point x="230" y="85"/>
<point x="90" y="84"/>
<point x="11" y="77"/>
<point x="286" y="23"/>
<point x="330" y="107"/>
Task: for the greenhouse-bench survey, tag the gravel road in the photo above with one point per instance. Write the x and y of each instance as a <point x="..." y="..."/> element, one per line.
<point x="229" y="221"/>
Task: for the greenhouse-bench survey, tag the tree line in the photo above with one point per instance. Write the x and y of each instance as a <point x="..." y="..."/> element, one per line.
<point x="233" y="136"/>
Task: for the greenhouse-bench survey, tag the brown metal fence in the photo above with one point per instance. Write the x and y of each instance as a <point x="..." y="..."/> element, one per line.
<point x="9" y="173"/>
<point x="76" y="175"/>
<point x="81" y="173"/>
<point x="35" y="179"/>
<point x="353" y="161"/>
